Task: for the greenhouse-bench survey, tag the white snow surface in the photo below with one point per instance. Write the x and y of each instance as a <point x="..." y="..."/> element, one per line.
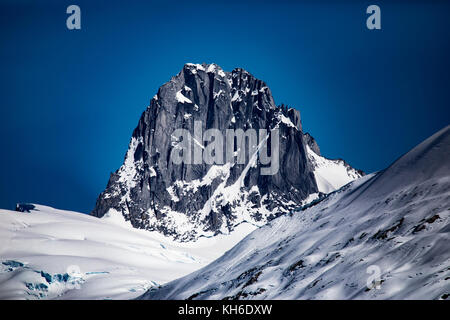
<point x="330" y="174"/>
<point x="395" y="221"/>
<point x="57" y="254"/>
<point x="286" y="121"/>
<point x="181" y="98"/>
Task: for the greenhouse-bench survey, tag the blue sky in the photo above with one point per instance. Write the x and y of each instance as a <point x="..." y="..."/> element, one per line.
<point x="71" y="99"/>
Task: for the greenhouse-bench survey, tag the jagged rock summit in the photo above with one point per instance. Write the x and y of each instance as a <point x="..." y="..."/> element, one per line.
<point x="186" y="201"/>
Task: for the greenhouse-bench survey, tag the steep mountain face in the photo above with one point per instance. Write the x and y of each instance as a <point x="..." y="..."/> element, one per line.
<point x="186" y="201"/>
<point x="383" y="236"/>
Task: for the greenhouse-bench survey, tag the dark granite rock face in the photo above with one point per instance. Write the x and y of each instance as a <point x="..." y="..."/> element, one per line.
<point x="312" y="143"/>
<point x="189" y="200"/>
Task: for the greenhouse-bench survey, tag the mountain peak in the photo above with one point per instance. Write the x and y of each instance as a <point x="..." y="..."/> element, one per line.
<point x="427" y="160"/>
<point x="188" y="200"/>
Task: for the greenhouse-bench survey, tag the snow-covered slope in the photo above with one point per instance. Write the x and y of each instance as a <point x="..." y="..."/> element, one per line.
<point x="395" y="222"/>
<point x="331" y="174"/>
<point x="49" y="253"/>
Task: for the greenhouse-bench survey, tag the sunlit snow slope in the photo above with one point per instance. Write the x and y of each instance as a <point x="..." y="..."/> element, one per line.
<point x="395" y="221"/>
<point x="331" y="174"/>
<point x="49" y="253"/>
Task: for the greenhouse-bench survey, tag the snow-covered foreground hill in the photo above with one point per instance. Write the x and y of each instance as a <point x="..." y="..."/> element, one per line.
<point x="49" y="253"/>
<point x="395" y="222"/>
<point x="56" y="254"/>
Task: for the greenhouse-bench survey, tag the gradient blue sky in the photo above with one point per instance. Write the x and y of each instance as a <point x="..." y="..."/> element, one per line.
<point x="71" y="99"/>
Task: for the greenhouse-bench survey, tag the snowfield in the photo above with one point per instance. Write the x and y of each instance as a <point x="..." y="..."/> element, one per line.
<point x="395" y="222"/>
<point x="330" y="174"/>
<point x="56" y="254"/>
